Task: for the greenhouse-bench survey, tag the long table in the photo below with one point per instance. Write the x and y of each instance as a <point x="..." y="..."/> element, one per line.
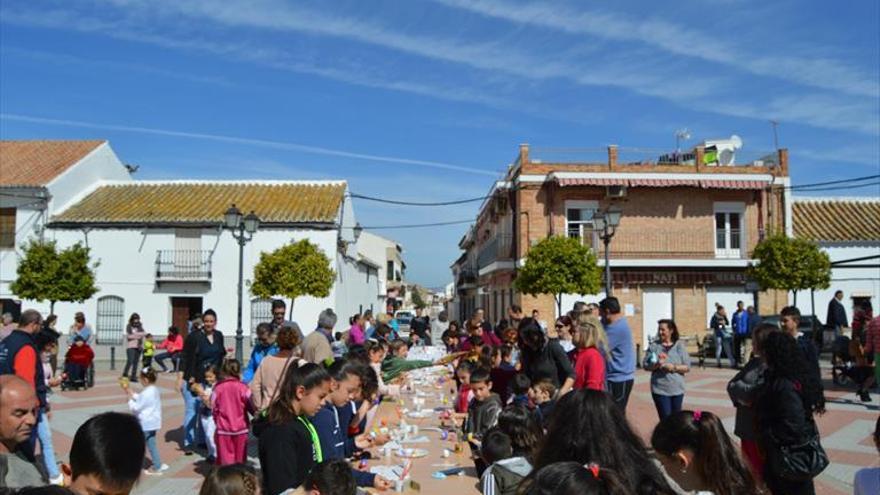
<point x="389" y="415"/>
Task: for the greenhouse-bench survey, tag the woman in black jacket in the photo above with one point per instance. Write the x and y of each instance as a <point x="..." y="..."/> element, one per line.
<point x="784" y="410"/>
<point x="543" y="358"/>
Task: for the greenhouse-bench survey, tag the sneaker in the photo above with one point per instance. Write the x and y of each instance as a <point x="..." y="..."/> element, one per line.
<point x="211" y="459"/>
<point x="58" y="480"/>
<point x="152" y="472"/>
<point x="187" y="452"/>
<point x="164" y="467"/>
<point x="864" y="396"/>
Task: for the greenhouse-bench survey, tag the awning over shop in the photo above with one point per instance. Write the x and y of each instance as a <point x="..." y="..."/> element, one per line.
<point x="733" y="184"/>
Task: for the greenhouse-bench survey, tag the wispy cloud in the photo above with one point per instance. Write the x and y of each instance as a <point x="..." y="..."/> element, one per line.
<point x="67" y="59"/>
<point x="265" y="143"/>
<point x="677" y="39"/>
<point x="658" y="79"/>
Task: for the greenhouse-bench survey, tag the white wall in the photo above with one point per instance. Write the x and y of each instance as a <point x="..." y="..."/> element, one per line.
<point x="849" y="280"/>
<point x="101" y="164"/>
<point x="355" y="293"/>
<point x="127" y="269"/>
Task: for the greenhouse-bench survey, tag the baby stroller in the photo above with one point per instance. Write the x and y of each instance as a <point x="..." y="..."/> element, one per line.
<point x="79" y="366"/>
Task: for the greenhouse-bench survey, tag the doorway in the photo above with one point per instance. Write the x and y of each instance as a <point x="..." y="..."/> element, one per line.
<point x="656" y="305"/>
<point x="182" y="309"/>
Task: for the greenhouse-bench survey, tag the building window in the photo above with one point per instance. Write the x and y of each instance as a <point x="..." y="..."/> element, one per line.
<point x="728" y="230"/>
<point x="261" y="312"/>
<point x="579" y="220"/>
<point x="7" y="228"/>
<point x="110" y="320"/>
<point x="389" y="272"/>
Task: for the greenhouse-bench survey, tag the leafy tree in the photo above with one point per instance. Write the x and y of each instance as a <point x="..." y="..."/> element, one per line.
<point x="790" y="264"/>
<point x="559" y="265"/>
<point x="297" y="269"/>
<point x="46" y="274"/>
<point x="417" y="299"/>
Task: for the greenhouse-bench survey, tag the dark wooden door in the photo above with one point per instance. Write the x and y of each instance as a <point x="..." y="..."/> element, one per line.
<point x="182" y="308"/>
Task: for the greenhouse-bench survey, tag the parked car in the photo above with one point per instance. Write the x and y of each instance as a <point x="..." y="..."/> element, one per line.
<point x="809" y="326"/>
<point x="403" y="317"/>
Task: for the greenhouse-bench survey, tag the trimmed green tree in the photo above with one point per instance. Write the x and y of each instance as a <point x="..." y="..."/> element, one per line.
<point x="559" y="265"/>
<point x="790" y="264"/>
<point x="417" y="299"/>
<point x="291" y="271"/>
<point x="46" y="274"/>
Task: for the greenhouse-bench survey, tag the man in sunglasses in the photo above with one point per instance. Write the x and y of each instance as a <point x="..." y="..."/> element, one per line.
<point x="279" y="311"/>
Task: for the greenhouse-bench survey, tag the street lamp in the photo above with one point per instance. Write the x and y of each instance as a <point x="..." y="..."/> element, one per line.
<point x="605" y="222"/>
<point x="242" y="228"/>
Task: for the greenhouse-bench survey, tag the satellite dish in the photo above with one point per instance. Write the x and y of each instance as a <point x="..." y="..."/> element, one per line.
<point x="736" y="141"/>
<point x="725" y="157"/>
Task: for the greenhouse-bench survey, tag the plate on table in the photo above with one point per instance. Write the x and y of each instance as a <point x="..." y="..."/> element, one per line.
<point x="426" y="413"/>
<point x="411" y="453"/>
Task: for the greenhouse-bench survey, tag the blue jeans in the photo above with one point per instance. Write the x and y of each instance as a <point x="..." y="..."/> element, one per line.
<point x="150" y="437"/>
<point x="726" y="343"/>
<point x="44" y="434"/>
<point x="667" y="405"/>
<point x="190" y="417"/>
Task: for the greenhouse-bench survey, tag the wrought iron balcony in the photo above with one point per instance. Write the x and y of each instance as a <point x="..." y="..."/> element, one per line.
<point x="499" y="248"/>
<point x="176" y="265"/>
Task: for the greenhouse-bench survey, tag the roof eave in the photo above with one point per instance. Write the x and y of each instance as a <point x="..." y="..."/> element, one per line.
<point x="69" y="225"/>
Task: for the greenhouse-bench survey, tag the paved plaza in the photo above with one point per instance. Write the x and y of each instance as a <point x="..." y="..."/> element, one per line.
<point x="846" y="427"/>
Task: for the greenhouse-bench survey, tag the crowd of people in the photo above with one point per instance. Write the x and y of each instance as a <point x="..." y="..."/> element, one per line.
<point x="542" y="407"/>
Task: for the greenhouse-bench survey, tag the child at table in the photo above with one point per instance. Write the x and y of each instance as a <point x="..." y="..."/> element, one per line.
<point x="520" y="385"/>
<point x="501" y="375"/>
<point x="464" y="395"/>
<point x="396" y="363"/>
<point x="482" y="415"/>
<point x="505" y="471"/>
<point x="542" y="393"/>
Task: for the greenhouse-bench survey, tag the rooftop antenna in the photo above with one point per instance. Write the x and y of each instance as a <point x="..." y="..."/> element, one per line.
<point x="775" y="124"/>
<point x="681" y="135"/>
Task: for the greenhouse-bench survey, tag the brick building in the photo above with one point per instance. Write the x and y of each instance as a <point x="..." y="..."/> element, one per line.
<point x="687" y="229"/>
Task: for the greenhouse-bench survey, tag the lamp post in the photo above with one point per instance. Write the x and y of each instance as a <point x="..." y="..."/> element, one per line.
<point x="242" y="228"/>
<point x="606" y="222"/>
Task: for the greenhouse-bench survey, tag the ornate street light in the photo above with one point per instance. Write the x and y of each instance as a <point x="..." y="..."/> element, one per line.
<point x="243" y="228"/>
<point x="605" y="222"/>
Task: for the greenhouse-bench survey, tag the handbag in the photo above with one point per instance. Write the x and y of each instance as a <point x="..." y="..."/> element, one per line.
<point x="800" y="461"/>
<point x="261" y="419"/>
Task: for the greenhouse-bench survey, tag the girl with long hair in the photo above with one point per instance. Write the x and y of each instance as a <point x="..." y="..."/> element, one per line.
<point x="303" y="392"/>
<point x="587" y="426"/>
<point x="572" y="478"/>
<point x="588" y="356"/>
<point x="543" y="358"/>
<point x="134" y="338"/>
<point x="789" y="398"/>
<point x="699" y="456"/>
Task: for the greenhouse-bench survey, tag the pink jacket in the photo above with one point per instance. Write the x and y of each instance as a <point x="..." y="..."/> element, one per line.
<point x="231" y="401"/>
<point x="356" y="334"/>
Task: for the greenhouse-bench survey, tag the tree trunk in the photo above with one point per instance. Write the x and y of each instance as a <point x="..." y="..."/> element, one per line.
<point x="51" y="307"/>
<point x="795" y="297"/>
<point x="291" y="310"/>
<point x="558" y="305"/>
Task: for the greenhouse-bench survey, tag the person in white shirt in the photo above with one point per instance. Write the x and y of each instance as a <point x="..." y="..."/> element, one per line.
<point x="147" y="406"/>
<point x="867" y="480"/>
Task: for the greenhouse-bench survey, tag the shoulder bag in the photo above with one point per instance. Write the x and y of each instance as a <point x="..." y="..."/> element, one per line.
<point x="800" y="461"/>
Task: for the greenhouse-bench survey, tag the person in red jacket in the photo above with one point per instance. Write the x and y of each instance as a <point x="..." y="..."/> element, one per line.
<point x="588" y="338"/>
<point x="78" y="359"/>
<point x="173" y="345"/>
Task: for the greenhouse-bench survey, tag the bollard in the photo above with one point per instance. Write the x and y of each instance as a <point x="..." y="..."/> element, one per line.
<point x="113" y="358"/>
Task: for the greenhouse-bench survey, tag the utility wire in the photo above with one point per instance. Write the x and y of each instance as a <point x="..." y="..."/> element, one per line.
<point x="416" y="203"/>
<point x="840" y="188"/>
<point x="842" y="181"/>
<point x="418" y="225"/>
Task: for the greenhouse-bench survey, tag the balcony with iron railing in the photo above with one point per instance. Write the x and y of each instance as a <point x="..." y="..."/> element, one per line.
<point x="499" y="248"/>
<point x="183" y="265"/>
<point x="669" y="244"/>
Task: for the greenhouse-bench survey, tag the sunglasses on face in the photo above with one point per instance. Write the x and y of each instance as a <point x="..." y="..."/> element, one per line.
<point x="279" y="313"/>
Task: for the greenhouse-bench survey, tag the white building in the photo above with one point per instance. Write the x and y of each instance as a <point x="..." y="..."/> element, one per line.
<point x="388" y="254"/>
<point x="161" y="247"/>
<point x="848" y="229"/>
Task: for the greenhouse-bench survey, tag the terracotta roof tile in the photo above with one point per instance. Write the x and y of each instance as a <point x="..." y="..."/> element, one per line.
<point x="836" y="220"/>
<point x="36" y="163"/>
<point x="206" y="202"/>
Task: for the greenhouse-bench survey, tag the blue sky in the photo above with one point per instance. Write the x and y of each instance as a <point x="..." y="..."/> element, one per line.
<point x="428" y="100"/>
